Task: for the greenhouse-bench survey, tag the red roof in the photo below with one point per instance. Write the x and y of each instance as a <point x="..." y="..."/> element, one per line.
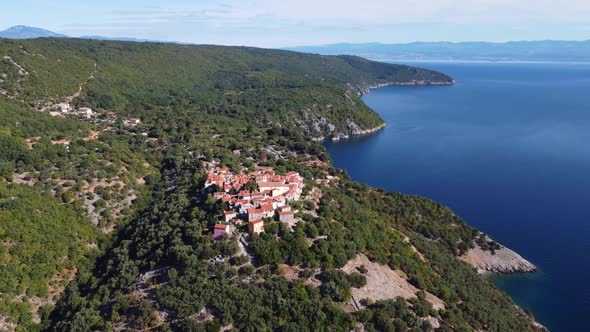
<point x="255" y="211"/>
<point x="220" y="226"/>
<point x="257" y="221"/>
<point x="286" y="213"/>
<point x="272" y="184"/>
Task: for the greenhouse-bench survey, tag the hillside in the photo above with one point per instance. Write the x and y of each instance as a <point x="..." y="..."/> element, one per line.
<point x="223" y="144"/>
<point x="42" y="245"/>
<point x="317" y="94"/>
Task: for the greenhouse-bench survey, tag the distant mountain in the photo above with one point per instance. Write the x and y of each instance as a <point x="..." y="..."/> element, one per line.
<point x="549" y="50"/>
<point x="26" y="32"/>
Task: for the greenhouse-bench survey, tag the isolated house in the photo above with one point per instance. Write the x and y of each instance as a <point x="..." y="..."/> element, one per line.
<point x="64" y="107"/>
<point x="132" y="121"/>
<point x="85" y="111"/>
<point x="221" y="230"/>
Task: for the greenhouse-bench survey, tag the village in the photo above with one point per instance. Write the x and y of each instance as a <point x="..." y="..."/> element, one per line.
<point x="87" y="113"/>
<point x="270" y="199"/>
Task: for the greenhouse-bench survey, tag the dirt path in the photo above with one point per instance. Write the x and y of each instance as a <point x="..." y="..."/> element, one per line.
<point x="69" y="99"/>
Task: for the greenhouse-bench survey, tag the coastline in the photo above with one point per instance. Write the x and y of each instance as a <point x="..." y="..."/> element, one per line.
<point x="502" y="261"/>
<point x="416" y="83"/>
<point x="357" y="132"/>
<point x="353" y="133"/>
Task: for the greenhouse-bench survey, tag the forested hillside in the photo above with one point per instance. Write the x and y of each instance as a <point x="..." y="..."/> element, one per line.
<point x="315" y="93"/>
<point x="42" y="245"/>
<point x="156" y="265"/>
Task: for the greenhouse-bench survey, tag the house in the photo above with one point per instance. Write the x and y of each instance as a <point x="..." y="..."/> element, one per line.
<point x="279" y="202"/>
<point x="244" y="194"/>
<point x="85" y="111"/>
<point x="277" y="188"/>
<point x="285" y="208"/>
<point x="133" y="121"/>
<point x="229" y="215"/>
<point x="268" y="210"/>
<point x="221" y="230"/>
<point x="256" y="226"/>
<point x="254" y="214"/>
<point x="287" y="216"/>
<point x="292" y="195"/>
<point x="244" y="206"/>
<point x="64" y="107"/>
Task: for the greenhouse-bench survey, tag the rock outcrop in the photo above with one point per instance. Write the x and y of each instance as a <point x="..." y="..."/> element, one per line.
<point x="383" y="283"/>
<point x="503" y="261"/>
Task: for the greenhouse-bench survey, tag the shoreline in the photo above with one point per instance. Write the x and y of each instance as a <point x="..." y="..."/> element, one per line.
<point x="415" y="83"/>
<point x="502" y="261"/>
<point x="364" y="90"/>
<point x="342" y="137"/>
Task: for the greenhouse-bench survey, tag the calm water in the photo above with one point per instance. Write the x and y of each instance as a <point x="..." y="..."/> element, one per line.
<point x="508" y="148"/>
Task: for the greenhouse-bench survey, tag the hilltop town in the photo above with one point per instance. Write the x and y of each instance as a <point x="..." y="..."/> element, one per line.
<point x="253" y="197"/>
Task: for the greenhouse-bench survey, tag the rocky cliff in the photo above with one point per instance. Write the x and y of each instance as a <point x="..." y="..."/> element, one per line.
<point x="503" y="260"/>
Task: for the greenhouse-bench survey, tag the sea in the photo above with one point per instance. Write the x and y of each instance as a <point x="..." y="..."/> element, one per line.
<point x="508" y="149"/>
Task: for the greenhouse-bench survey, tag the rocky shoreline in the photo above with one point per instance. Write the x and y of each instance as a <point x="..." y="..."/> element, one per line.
<point x="503" y="261"/>
<point x="366" y="89"/>
<point x="355" y="130"/>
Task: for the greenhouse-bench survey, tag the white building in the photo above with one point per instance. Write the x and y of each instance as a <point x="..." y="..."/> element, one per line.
<point x="85" y="111"/>
<point x="64" y="107"/>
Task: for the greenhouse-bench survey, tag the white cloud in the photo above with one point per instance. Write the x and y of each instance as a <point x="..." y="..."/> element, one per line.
<point x="287" y="22"/>
<point x="410" y="11"/>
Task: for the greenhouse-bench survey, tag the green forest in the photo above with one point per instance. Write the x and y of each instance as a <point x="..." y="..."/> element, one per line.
<point x="73" y="257"/>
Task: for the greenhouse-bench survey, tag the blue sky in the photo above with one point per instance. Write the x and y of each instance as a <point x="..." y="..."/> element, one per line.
<point x="276" y="23"/>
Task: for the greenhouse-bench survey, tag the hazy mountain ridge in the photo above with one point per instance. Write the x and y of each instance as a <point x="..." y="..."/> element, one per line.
<point x="548" y="50"/>
<point x="28" y="32"/>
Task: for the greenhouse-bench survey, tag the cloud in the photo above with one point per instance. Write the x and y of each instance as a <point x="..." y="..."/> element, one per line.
<point x="412" y="11"/>
<point x="280" y="23"/>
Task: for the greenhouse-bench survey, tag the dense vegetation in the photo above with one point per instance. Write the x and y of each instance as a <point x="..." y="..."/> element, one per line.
<point x="160" y="269"/>
<point x="42" y="244"/>
<point x="264" y="86"/>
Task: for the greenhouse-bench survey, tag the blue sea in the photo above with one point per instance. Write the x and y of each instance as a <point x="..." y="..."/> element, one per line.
<point x="508" y="149"/>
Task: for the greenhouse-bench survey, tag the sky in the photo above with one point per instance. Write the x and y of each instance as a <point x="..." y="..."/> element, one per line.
<point x="283" y="23"/>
